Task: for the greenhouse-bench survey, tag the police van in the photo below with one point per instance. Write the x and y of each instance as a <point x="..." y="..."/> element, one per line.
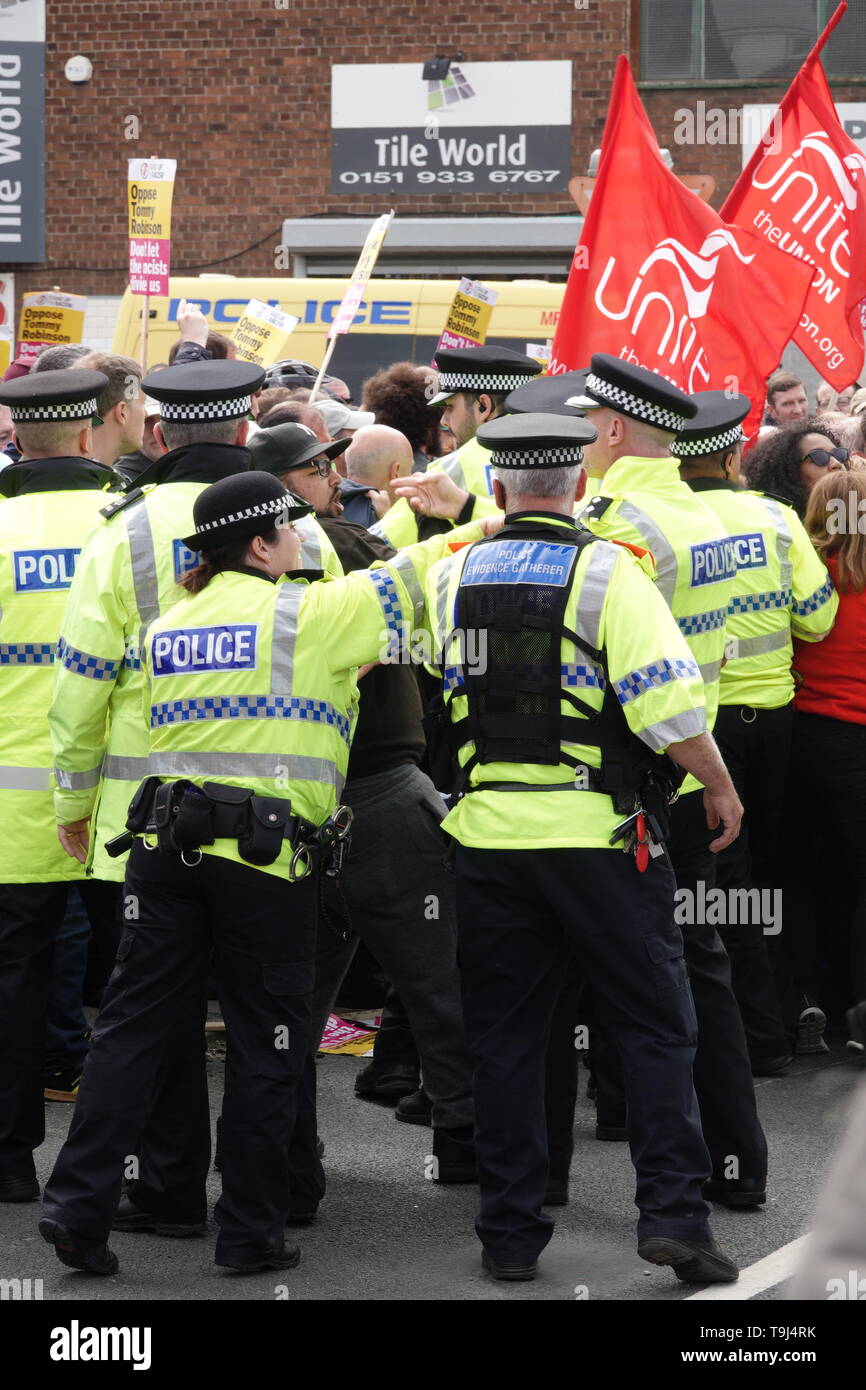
<point x="397" y="320"/>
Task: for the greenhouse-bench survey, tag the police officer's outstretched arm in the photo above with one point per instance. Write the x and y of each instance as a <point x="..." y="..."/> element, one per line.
<point x="89" y="658"/>
<point x="658" y="683"/>
<point x="372" y="613"/>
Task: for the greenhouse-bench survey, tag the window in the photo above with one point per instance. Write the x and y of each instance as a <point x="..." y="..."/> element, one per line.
<point x="746" y="40"/>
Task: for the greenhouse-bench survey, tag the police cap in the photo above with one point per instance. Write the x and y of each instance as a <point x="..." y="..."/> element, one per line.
<point x="548" y="395"/>
<point x="536" y="441"/>
<point x="281" y="447"/>
<point x="245" y="504"/>
<point x="480" y="369"/>
<point x="716" y="426"/>
<point x="56" y="396"/>
<point x="197" y="391"/>
<point x="635" y="392"/>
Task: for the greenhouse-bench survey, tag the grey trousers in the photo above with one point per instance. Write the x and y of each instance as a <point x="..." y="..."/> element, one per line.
<point x="401" y="903"/>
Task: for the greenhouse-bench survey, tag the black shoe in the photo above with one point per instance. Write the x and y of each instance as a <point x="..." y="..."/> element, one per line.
<point x="770" y="1066"/>
<point x="386" y="1084"/>
<point x="77" y="1251"/>
<point x="129" y="1217"/>
<point x="19" y="1190"/>
<point x="810" y="1028"/>
<point x="693" y="1262"/>
<point x="416" y="1109"/>
<point x="738" y="1192"/>
<point x="556" y="1195"/>
<point x="856" y="1020"/>
<point x="285" y="1257"/>
<point x="512" y="1270"/>
<point x="454" y="1151"/>
<point x="612" y="1134"/>
<point x="62" y="1085"/>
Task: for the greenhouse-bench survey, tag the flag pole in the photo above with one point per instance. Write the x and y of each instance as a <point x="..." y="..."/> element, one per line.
<point x="324" y="367"/>
<point x="836" y="18"/>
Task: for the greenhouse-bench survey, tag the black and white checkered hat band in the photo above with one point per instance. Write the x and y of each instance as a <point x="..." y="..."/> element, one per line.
<point x="232" y="409"/>
<point x="487" y="381"/>
<point x="567" y="457"/>
<point x="696" y="448"/>
<point x="276" y="507"/>
<point x="620" y="399"/>
<point x="31" y="414"/>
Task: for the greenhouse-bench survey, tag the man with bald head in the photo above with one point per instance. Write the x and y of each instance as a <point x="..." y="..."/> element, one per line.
<point x="376" y="457"/>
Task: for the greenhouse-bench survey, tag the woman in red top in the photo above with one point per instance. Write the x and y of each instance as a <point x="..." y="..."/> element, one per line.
<point x="828" y="754"/>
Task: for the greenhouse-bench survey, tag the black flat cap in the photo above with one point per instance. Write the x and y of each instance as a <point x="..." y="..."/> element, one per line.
<point x="717" y="425"/>
<point x="536" y="441"/>
<point x="246" y="504"/>
<point x="281" y="447"/>
<point x="53" y="396"/>
<point x="548" y="395"/>
<point x="481" y="369"/>
<point x="194" y="391"/>
<point x="636" y="392"/>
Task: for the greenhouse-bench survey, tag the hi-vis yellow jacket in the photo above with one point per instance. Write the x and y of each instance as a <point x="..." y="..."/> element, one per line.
<point x="42" y="528"/>
<point x="127" y="575"/>
<point x="253" y="683"/>
<point x="782" y="591"/>
<point x="612" y="605"/>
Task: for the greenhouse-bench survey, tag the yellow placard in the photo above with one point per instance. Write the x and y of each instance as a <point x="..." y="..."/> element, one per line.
<point x="49" y="317"/>
<point x="469" y="316"/>
<point x="262" y="332"/>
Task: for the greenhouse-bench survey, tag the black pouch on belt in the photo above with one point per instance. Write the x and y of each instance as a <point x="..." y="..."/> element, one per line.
<point x="262" y="840"/>
<point x="165" y="805"/>
<point x="193" y="824"/>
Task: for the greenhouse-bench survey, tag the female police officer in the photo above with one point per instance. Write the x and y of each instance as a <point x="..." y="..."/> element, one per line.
<point x="251" y="683"/>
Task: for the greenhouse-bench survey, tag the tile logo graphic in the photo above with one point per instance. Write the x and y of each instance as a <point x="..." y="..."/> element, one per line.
<point x="453" y="88"/>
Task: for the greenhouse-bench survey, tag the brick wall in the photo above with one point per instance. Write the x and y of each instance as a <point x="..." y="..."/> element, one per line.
<point x="239" y="93"/>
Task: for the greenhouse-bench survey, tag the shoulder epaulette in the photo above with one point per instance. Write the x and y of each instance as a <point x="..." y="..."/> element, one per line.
<point x="119" y="503"/>
<point x="771" y="496"/>
<point x="597" y="507"/>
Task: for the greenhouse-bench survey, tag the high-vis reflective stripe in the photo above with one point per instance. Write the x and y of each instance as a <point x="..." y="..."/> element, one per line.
<point x="392" y="610"/>
<point x="25" y="779"/>
<point x="132" y="659"/>
<point x="251" y="707"/>
<point x="406" y="570"/>
<point x="443" y="581"/>
<point x="27" y="653"/>
<point x="702" y="622"/>
<point x="784" y="541"/>
<point x="77" y="781"/>
<point x="657" y="673"/>
<point x="450" y="464"/>
<point x="311" y="549"/>
<point x="125" y="769"/>
<point x="756" y="646"/>
<point x="710" y="671"/>
<point x="755" y="603"/>
<point x="814" y="601"/>
<point x="578" y="674"/>
<point x="596" y="577"/>
<point x="681" y="726"/>
<point x="657" y="542"/>
<point x="143" y="558"/>
<point x="96" y="668"/>
<point x="289" y="599"/>
<point x="270" y="765"/>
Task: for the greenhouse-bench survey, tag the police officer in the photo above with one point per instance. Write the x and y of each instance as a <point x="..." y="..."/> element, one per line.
<point x="53" y="494"/>
<point x="473" y="384"/>
<point x="557" y="735"/>
<point x="782" y="591"/>
<point x="551" y="395"/>
<point x="643" y="501"/>
<point x="251" y="698"/>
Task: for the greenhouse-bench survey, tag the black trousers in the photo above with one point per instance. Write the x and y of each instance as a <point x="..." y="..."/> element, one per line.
<point x="31" y="915"/>
<point x="261" y="930"/>
<point x="520" y="913"/>
<point x="827" y="796"/>
<point x="722" y="1071"/>
<point x="756" y="744"/>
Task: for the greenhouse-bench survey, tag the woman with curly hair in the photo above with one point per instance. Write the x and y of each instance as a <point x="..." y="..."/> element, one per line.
<point x="398" y="396"/>
<point x="790" y="462"/>
<point x="827" y="788"/>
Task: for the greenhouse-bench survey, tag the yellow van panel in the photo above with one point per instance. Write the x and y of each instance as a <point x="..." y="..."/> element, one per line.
<point x="526" y="311"/>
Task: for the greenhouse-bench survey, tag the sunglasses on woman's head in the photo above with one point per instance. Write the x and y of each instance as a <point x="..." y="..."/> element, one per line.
<point x="821" y="457"/>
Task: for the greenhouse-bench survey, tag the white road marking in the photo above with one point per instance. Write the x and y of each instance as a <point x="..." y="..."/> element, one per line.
<point x="764" y="1274"/>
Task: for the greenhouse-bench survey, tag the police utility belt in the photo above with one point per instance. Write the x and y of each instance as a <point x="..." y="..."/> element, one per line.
<point x="184" y="817"/>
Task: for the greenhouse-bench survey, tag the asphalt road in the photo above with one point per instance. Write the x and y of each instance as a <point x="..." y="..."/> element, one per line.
<point x="386" y="1233"/>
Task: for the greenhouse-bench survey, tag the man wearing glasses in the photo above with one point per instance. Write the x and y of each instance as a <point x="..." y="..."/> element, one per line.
<point x="302" y="463"/>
